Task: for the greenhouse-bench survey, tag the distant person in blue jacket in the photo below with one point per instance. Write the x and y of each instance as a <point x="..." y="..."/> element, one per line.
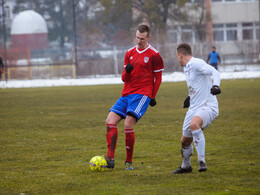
<point x="214" y="58"/>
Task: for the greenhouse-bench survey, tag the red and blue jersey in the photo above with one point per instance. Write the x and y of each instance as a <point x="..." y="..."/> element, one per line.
<point x="145" y="78"/>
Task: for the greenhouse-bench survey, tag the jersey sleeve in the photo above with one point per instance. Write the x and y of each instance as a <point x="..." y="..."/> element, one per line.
<point x="204" y="68"/>
<point x="126" y="61"/>
<point x="125" y="76"/>
<point x="157" y="83"/>
<point x="158" y="65"/>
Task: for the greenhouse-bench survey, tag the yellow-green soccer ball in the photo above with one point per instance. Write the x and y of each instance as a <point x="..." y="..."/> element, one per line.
<point x="97" y="163"/>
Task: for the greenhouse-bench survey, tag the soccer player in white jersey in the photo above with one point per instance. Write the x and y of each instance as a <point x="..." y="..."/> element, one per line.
<point x="202" y="103"/>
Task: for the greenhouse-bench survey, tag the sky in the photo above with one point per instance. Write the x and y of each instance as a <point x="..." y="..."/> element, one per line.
<point x="110" y="79"/>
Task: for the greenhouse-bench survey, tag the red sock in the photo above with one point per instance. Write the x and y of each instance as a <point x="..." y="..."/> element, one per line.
<point x="111" y="140"/>
<point x="129" y="144"/>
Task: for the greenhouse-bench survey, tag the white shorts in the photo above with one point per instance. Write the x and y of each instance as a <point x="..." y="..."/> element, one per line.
<point x="208" y="115"/>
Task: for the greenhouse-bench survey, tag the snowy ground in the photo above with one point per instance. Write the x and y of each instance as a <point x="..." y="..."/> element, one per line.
<point x="101" y="80"/>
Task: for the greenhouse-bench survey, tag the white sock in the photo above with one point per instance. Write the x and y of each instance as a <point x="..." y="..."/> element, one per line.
<point x="199" y="143"/>
<point x="186" y="156"/>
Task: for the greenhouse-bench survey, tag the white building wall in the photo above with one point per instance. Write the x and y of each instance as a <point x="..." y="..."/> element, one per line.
<point x="235" y="12"/>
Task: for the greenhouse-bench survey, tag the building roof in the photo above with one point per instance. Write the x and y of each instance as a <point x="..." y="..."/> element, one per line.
<point x="28" y="22"/>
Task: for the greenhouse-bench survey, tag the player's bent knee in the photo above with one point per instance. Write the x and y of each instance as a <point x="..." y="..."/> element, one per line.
<point x="196" y="123"/>
<point x="128" y="124"/>
<point x="130" y="121"/>
<point x="194" y="126"/>
<point x="109" y="120"/>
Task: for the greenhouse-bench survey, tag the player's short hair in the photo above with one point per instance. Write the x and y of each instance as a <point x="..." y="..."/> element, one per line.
<point x="185" y="49"/>
<point x="142" y="28"/>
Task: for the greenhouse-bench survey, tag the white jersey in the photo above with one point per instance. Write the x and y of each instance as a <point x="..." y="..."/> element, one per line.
<point x="199" y="77"/>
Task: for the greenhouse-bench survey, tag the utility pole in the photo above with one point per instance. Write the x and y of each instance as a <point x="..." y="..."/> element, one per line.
<point x="209" y="37"/>
<point x="4" y="37"/>
<point x="75" y="38"/>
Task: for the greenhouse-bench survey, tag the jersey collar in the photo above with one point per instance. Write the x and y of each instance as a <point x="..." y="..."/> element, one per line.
<point x="143" y="50"/>
<point x="189" y="62"/>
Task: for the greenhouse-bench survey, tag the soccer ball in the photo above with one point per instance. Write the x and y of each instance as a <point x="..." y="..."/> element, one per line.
<point x="97" y="163"/>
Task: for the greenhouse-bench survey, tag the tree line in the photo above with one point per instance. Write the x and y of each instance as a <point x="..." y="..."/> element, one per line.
<point x="101" y="23"/>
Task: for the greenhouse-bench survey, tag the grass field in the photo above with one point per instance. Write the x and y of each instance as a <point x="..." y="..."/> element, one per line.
<point x="48" y="136"/>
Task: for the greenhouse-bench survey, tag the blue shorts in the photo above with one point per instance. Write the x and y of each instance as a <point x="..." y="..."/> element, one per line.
<point x="136" y="104"/>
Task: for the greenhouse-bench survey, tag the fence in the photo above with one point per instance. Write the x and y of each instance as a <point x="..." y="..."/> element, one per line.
<point x="59" y="63"/>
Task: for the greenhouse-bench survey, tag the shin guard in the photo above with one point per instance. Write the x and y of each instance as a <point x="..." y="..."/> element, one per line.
<point x="111" y="140"/>
<point x="129" y="144"/>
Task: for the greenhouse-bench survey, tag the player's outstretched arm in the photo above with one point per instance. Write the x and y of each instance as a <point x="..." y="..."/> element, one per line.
<point x="215" y="90"/>
<point x="157" y="83"/>
<point x="209" y="70"/>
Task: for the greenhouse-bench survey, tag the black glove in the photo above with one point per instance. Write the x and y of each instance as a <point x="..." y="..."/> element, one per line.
<point x="129" y="68"/>
<point x="215" y="90"/>
<point x="186" y="103"/>
<point x="152" y="102"/>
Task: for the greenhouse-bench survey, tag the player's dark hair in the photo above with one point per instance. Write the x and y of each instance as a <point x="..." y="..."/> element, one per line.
<point x="185" y="49"/>
<point x="142" y="28"/>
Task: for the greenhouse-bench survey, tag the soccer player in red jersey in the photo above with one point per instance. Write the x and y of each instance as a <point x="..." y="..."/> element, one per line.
<point x="142" y="77"/>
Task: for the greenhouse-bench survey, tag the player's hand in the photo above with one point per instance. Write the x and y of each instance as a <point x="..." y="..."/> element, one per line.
<point x="129" y="68"/>
<point x="215" y="90"/>
<point x="186" y="103"/>
<point x="152" y="102"/>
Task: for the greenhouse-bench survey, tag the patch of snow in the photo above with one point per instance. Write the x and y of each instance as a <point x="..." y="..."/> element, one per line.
<point x="104" y="80"/>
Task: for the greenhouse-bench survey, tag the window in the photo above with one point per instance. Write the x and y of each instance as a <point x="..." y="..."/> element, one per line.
<point x="218" y="35"/>
<point x="7" y="12"/>
<point x="257" y="30"/>
<point x="247" y="31"/>
<point x="195" y="1"/>
<point x="218" y="25"/>
<point x="198" y="1"/>
<point x="187" y="34"/>
<point x="200" y="34"/>
<point x="231" y="32"/>
<point x="186" y="37"/>
<point x="218" y="32"/>
<point x="231" y="0"/>
<point x="247" y="34"/>
<point x="174" y="36"/>
<point x="257" y="34"/>
<point x="231" y="35"/>
<point x="230" y="25"/>
<point x="236" y="31"/>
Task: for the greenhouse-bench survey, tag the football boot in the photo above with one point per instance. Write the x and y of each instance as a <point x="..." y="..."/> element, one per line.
<point x="202" y="166"/>
<point x="182" y="170"/>
<point x="128" y="166"/>
<point x="110" y="163"/>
